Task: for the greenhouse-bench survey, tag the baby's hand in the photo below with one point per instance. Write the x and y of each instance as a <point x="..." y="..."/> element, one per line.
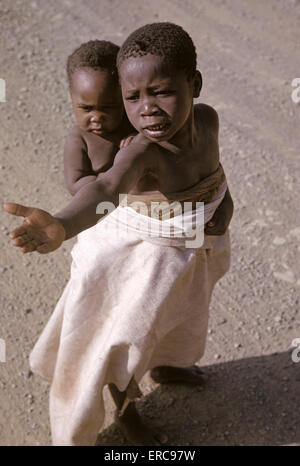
<point x="138" y="138"/>
<point x="40" y="231"/>
<point x="126" y="141"/>
<point x="222" y="217"/>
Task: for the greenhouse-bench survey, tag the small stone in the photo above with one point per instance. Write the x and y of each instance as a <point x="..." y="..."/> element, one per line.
<point x="223" y="321"/>
<point x="217" y="356"/>
<point x="27" y="374"/>
<point x="287" y="276"/>
<point x="278" y="241"/>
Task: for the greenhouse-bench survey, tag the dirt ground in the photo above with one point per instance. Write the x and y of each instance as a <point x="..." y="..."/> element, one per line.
<point x="248" y="53"/>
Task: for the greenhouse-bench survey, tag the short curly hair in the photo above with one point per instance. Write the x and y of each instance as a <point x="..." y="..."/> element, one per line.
<point x="167" y="40"/>
<point x="96" y="54"/>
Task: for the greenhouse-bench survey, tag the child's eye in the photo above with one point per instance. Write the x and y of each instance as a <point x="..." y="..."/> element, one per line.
<point x="164" y="92"/>
<point x="131" y="97"/>
<point x="86" y="109"/>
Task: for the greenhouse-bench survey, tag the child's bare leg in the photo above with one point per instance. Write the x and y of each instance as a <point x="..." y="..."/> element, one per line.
<point x="168" y="374"/>
<point x="131" y="423"/>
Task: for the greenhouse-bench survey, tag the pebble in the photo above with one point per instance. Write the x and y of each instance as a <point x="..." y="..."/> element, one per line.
<point x="223" y="321"/>
<point x="217" y="356"/>
<point x="27" y="374"/>
<point x="287" y="276"/>
<point x="278" y="241"/>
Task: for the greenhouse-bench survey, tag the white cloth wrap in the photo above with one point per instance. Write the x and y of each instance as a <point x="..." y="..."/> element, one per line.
<point x="179" y="228"/>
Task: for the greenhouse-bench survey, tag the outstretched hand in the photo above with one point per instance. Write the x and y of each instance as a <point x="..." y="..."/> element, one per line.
<point x="39" y="232"/>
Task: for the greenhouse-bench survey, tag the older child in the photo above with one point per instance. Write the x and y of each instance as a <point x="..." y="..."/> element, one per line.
<point x="134" y="302"/>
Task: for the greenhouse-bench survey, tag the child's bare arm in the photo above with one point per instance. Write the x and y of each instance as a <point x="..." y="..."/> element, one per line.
<point x="77" y="167"/>
<point x="129" y="165"/>
<point x="45" y="233"/>
<point x="222" y="217"/>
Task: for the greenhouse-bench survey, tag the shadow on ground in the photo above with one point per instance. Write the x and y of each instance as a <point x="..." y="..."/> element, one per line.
<point x="253" y="401"/>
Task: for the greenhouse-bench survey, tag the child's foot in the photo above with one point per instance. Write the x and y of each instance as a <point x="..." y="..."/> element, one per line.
<point x="167" y="374"/>
<point x="135" y="431"/>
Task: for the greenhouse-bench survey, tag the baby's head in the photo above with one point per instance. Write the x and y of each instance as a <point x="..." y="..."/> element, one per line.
<point x="159" y="80"/>
<point x="94" y="87"/>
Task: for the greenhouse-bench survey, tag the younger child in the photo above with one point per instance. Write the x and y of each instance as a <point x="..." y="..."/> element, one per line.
<point x="134" y="302"/>
<point x="99" y="112"/>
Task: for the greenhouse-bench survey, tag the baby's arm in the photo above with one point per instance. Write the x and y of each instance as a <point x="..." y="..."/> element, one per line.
<point x="77" y="166"/>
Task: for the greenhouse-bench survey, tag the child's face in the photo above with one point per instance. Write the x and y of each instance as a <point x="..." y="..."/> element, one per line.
<point x="97" y="101"/>
<point x="158" y="100"/>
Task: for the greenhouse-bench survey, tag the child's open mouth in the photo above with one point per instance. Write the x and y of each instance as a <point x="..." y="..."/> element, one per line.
<point x="157" y="130"/>
<point x="98" y="131"/>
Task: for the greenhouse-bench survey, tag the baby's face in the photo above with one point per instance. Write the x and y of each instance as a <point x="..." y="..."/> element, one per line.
<point x="97" y="101"/>
<point x="158" y="100"/>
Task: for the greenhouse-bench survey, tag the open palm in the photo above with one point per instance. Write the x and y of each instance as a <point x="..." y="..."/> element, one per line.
<point x="39" y="232"/>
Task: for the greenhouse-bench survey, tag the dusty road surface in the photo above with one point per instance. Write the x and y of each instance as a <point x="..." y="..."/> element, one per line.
<point x="248" y="53"/>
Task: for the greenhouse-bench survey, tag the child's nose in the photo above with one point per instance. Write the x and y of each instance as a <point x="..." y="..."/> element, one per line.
<point x="97" y="117"/>
<point x="149" y="108"/>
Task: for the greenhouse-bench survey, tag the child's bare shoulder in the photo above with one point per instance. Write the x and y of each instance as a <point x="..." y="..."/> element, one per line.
<point x="75" y="136"/>
<point x="208" y="116"/>
<point x="95" y="146"/>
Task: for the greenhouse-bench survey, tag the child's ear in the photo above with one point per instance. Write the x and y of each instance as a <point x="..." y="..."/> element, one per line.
<point x="197" y="84"/>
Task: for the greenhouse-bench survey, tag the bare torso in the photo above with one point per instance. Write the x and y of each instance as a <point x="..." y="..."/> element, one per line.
<point x="171" y="170"/>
